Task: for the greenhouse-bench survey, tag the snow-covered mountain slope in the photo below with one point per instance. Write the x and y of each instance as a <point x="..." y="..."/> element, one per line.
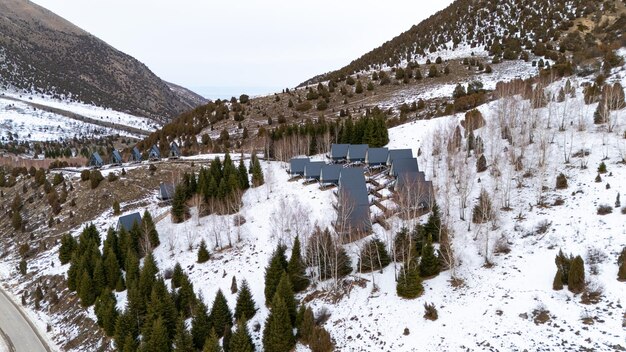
<point x="43" y="118"/>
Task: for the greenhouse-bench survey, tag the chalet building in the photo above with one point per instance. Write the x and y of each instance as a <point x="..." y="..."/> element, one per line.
<point x="96" y="160"/>
<point x="174" y="151"/>
<point x="313" y="170"/>
<point x="166" y="191"/>
<point x="353" y="212"/>
<point x="356" y="153"/>
<point x="376" y="157"/>
<point x="154" y="153"/>
<point x="402" y="166"/>
<point x="339" y="152"/>
<point x="398" y="154"/>
<point x="127" y="222"/>
<point x="329" y="174"/>
<point x="116" y="157"/>
<point x="135" y="155"/>
<point x="296" y="166"/>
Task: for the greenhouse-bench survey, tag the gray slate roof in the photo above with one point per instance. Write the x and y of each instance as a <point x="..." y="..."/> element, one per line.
<point x="353" y="198"/>
<point x="166" y="191"/>
<point x="127" y="221"/>
<point x="135" y="154"/>
<point x="96" y="160"/>
<point x="174" y="150"/>
<point x="376" y="156"/>
<point x="313" y="169"/>
<point x="410" y="179"/>
<point x="296" y="165"/>
<point x="330" y="174"/>
<point x="357" y="152"/>
<point x="401" y="166"/>
<point x="339" y="151"/>
<point x="155" y="153"/>
<point x="116" y="157"/>
<point x="398" y="154"/>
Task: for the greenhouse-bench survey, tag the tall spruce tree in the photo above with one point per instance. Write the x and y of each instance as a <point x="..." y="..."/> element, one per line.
<point x="305" y="330"/>
<point x="182" y="341"/>
<point x="285" y="291"/>
<point x="244" y="183"/>
<point x="557" y="283"/>
<point x="212" y="343"/>
<point x="200" y="325"/>
<point x="241" y="340"/>
<point x="106" y="312"/>
<point x="257" y="172"/>
<point x="150" y="229"/>
<point x="373" y="256"/>
<point x="158" y="340"/>
<point x="296" y="268"/>
<point x="245" y="307"/>
<point x="277" y="333"/>
<point x="576" y="278"/>
<point x="277" y="265"/>
<point x="621" y="264"/>
<point x="179" y="208"/>
<point x="220" y="316"/>
<point x="429" y="263"/>
<point x="433" y="226"/>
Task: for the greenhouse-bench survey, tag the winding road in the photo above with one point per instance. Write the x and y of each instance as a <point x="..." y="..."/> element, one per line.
<point x="17" y="331"/>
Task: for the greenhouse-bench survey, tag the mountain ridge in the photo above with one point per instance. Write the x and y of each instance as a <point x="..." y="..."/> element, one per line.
<point x="43" y="53"/>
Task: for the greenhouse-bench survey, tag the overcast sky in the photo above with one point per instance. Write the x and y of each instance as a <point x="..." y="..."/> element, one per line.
<point x="244" y="43"/>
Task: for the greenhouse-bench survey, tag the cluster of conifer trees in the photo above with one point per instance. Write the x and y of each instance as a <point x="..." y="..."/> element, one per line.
<point x="220" y="186"/>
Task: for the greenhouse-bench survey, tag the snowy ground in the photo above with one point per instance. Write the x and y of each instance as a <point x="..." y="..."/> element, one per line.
<point x="36" y="125"/>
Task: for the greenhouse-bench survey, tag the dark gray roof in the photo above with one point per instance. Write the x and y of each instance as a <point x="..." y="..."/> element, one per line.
<point x="116" y="157"/>
<point x="339" y="151"/>
<point x="352" y="184"/>
<point x="166" y="191"/>
<point x="401" y="166"/>
<point x="357" y="152"/>
<point x="353" y="200"/>
<point x="376" y="156"/>
<point x="330" y="173"/>
<point x="174" y="150"/>
<point x="398" y="154"/>
<point x="96" y="160"/>
<point x="127" y="221"/>
<point x="411" y="178"/>
<point x="296" y="165"/>
<point x="313" y="169"/>
<point x="154" y="152"/>
<point x="135" y="154"/>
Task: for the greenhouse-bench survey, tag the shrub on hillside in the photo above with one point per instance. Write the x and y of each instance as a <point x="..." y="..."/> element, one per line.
<point x="84" y="175"/>
<point x="604" y="209"/>
<point x="602" y="168"/>
<point x="95" y="177"/>
<point x="561" y="181"/>
<point x="430" y="312"/>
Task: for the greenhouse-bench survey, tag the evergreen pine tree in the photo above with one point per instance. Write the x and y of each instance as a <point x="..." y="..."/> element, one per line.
<point x="233" y="285"/>
<point x="563" y="264"/>
<point x="112" y="269"/>
<point x="99" y="278"/>
<point x="212" y="343"/>
<point x="228" y="333"/>
<point x="409" y="283"/>
<point x="277" y="265"/>
<point x="106" y="312"/>
<point x="86" y="291"/>
<point x="158" y="341"/>
<point x="277" y="333"/>
<point x="257" y="172"/>
<point x="241" y="340"/>
<point x="200" y="325"/>
<point x="557" y="283"/>
<point x="186" y="298"/>
<point x="576" y="278"/>
<point x="621" y="272"/>
<point x="429" y="263"/>
<point x="285" y="291"/>
<point x="179" y="208"/>
<point x="220" y="316"/>
<point x="203" y="253"/>
<point x="150" y="228"/>
<point x="182" y="341"/>
<point x="68" y="245"/>
<point x="245" y="307"/>
<point x="307" y="326"/>
<point x="296" y="268"/>
<point x="244" y="183"/>
<point x="177" y="275"/>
